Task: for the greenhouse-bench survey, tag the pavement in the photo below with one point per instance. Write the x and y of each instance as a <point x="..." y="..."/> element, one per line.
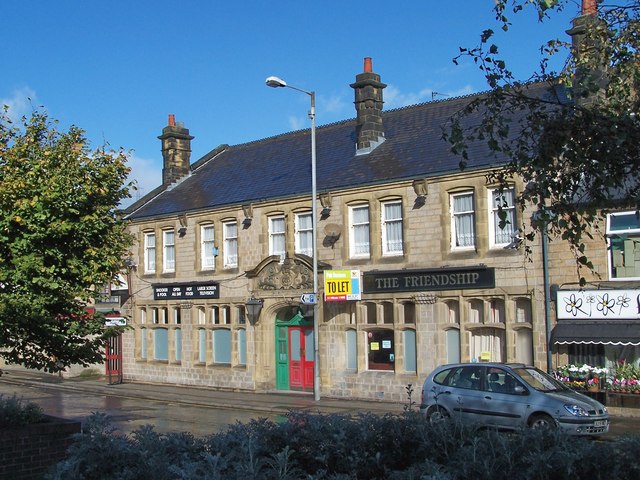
<point x="269" y="402"/>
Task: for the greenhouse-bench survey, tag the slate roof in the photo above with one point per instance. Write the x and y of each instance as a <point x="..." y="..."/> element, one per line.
<point x="280" y="167"/>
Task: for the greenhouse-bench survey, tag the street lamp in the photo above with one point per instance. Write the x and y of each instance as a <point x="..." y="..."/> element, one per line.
<point x="276" y="82"/>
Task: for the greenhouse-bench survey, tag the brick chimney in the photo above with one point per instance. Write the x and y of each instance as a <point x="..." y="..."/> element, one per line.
<point x="368" y="102"/>
<point x="591" y="61"/>
<point x="176" y="151"/>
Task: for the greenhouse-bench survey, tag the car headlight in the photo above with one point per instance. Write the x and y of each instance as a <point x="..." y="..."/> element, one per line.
<point x="576" y="410"/>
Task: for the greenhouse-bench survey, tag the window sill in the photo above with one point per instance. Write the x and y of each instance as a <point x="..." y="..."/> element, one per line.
<point x="479" y="326"/>
<point x="522" y="326"/>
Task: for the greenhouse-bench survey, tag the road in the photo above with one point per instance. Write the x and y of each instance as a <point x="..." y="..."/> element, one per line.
<point x="129" y="414"/>
<point x="198" y="411"/>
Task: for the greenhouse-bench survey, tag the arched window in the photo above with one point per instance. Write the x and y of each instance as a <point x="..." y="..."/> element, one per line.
<point x="410" y="359"/>
<point x="381" y="350"/>
<point x="352" y="349"/>
<point x="143" y="343"/>
<point x="409" y="313"/>
<point x="242" y="346"/>
<point x="202" y="345"/>
<point x="476" y="311"/>
<point x="178" y="344"/>
<point x="160" y="344"/>
<point x="387" y="312"/>
<point x="222" y="345"/>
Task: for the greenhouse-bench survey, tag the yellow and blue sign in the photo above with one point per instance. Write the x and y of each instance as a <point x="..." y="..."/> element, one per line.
<point x="342" y="285"/>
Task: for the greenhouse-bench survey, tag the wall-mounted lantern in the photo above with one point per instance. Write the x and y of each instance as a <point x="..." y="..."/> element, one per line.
<point x="325" y="201"/>
<point x="254" y="306"/>
<point x="421" y="188"/>
<point x="248" y="215"/>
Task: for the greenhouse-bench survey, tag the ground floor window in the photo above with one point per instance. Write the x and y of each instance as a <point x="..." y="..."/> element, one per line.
<point x="202" y="345"/>
<point x="177" y="337"/>
<point x="222" y="345"/>
<point x="453" y="345"/>
<point x="352" y="349"/>
<point x="160" y="344"/>
<point x="380" y="348"/>
<point x="410" y="360"/>
<point x="486" y="345"/>
<point x="524" y="346"/>
<point x="143" y="343"/>
<point x="242" y="346"/>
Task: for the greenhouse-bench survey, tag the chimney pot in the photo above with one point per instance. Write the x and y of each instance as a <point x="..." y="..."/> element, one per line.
<point x="368" y="66"/>
<point x="589" y="7"/>
<point x="172" y="120"/>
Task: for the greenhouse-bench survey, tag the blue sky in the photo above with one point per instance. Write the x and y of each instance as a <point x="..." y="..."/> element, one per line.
<point x="118" y="68"/>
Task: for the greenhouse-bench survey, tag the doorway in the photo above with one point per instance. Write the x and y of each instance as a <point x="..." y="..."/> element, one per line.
<point x="294" y="354"/>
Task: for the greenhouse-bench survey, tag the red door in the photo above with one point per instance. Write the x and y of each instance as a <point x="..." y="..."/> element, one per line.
<point x="113" y="356"/>
<point x="301" y="358"/>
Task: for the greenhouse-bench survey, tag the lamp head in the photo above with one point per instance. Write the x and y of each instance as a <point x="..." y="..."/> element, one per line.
<point x="275" y="82"/>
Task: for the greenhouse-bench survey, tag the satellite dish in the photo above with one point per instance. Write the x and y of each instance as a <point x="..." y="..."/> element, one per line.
<point x="332" y="230"/>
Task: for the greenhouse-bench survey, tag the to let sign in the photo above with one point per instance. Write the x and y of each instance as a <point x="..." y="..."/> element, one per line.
<point x="341" y="285"/>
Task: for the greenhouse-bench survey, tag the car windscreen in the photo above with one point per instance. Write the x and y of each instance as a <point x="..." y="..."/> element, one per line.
<point x="539" y="380"/>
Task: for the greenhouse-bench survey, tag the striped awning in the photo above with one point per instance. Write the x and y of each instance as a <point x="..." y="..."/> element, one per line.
<point x="603" y="332"/>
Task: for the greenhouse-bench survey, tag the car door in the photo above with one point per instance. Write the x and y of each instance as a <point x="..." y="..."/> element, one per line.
<point x="463" y="396"/>
<point x="503" y="404"/>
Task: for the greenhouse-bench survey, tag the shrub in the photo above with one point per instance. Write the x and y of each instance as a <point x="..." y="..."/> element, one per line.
<point x="342" y="447"/>
<point x="14" y="412"/>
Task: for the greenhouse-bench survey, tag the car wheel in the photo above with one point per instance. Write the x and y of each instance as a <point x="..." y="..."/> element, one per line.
<point x="542" y="421"/>
<point x="437" y="414"/>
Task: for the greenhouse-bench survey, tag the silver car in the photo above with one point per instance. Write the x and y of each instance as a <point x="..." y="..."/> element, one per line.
<point x="511" y="396"/>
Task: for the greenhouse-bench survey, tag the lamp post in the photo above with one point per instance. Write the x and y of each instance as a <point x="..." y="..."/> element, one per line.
<point x="276" y="82"/>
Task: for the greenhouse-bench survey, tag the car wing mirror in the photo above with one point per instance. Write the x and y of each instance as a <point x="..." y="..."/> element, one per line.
<point x="520" y="390"/>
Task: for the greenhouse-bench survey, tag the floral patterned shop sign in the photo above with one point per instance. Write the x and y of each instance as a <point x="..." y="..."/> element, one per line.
<point x="586" y="304"/>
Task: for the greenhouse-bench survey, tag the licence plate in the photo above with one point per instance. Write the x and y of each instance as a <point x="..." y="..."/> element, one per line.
<point x="600" y="423"/>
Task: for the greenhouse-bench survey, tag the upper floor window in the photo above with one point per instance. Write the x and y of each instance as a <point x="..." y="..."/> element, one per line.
<point x="207" y="254"/>
<point x="169" y="251"/>
<point x="359" y="244"/>
<point x="623" y="235"/>
<point x="149" y="252"/>
<point x="304" y="234"/>
<point x="230" y="240"/>
<point x="504" y="200"/>
<point x="277" y="240"/>
<point x="392" y="228"/>
<point x="463" y="234"/>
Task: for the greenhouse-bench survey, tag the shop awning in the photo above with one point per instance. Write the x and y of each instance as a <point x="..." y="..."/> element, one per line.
<point x="604" y="332"/>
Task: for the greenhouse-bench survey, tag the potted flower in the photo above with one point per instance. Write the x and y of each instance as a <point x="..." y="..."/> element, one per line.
<point x="593" y="384"/>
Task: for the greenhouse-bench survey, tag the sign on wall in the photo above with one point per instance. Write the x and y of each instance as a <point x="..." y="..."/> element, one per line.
<point x="341" y="285"/>
<point x="186" y="290"/>
<point x="585" y="304"/>
<point x="431" y="279"/>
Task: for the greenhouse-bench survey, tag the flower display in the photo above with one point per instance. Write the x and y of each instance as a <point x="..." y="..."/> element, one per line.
<point x="623" y="378"/>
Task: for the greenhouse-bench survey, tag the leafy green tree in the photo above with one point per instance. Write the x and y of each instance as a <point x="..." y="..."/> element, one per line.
<point x="577" y="148"/>
<point x="60" y="238"/>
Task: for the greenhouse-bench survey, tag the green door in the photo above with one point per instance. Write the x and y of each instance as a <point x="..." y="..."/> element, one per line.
<point x="282" y="358"/>
<point x="283" y="350"/>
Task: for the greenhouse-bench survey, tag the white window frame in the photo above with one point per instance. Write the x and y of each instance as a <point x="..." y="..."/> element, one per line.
<point x="389" y="225"/>
<point x="277" y="235"/>
<point x="230" y="241"/>
<point x="149" y="252"/>
<point x="455" y="215"/>
<point x="207" y="246"/>
<point x="303" y="233"/>
<point x="509" y="229"/>
<point x="168" y="251"/>
<point x="358" y="250"/>
<point x="626" y="232"/>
